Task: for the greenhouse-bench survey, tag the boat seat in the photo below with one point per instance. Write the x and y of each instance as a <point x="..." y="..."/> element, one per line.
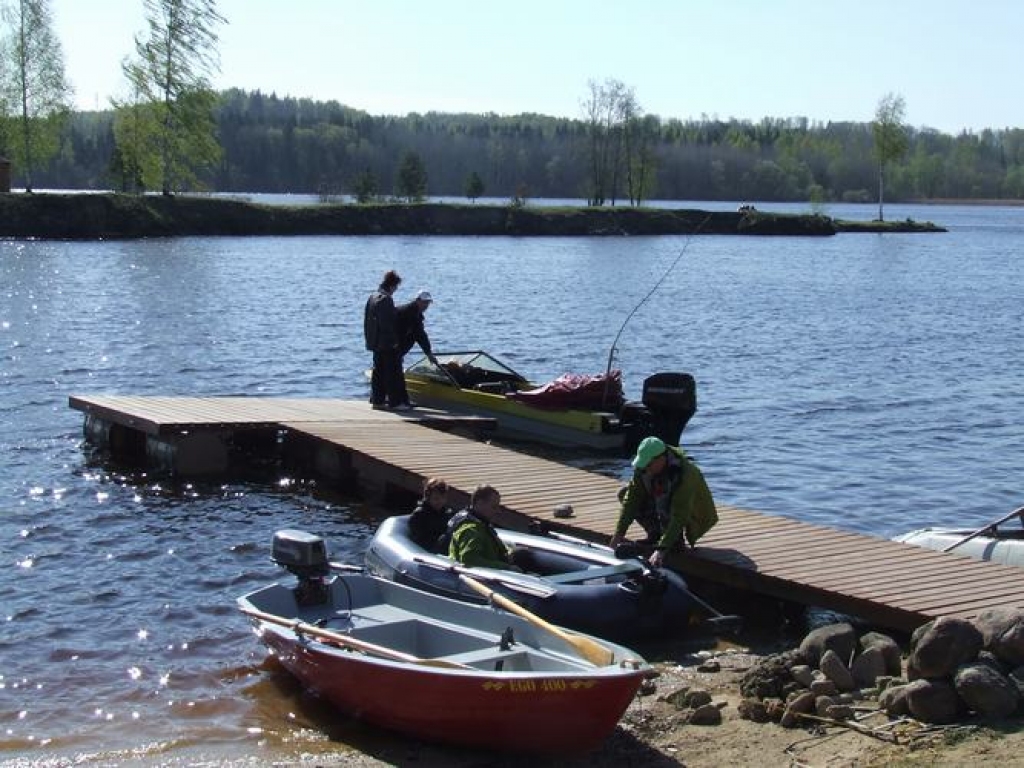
<point x="577" y="577"/>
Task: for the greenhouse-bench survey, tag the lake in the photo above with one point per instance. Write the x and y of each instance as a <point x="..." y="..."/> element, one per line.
<point x="866" y="382"/>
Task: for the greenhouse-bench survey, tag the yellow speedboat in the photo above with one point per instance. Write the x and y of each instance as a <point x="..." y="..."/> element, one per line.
<point x="573" y="411"/>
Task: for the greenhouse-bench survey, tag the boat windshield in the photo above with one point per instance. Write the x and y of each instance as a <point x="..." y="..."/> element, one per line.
<point x="466" y="368"/>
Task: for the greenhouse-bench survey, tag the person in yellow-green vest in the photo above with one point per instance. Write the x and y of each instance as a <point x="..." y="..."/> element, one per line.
<point x="668" y="497"/>
<point x="474" y="542"/>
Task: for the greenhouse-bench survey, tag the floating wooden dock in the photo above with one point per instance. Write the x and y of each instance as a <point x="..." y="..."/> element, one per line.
<point x="887" y="583"/>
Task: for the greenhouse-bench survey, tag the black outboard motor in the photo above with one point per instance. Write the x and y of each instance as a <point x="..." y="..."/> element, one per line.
<point x="669" y="401"/>
<point x="304" y="555"/>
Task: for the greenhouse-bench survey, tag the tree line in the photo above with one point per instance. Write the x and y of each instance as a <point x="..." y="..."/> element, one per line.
<point x="286" y="145"/>
<point x="172" y="133"/>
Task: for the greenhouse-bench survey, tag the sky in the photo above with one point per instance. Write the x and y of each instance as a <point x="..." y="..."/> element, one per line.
<point x="955" y="63"/>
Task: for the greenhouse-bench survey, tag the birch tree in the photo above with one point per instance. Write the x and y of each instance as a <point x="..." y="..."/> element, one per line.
<point x="36" y="95"/>
<point x="174" y="61"/>
<point x="890" y="138"/>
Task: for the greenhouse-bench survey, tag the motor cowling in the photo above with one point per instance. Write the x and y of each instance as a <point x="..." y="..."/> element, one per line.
<point x="304" y="555"/>
<point x="671" y="399"/>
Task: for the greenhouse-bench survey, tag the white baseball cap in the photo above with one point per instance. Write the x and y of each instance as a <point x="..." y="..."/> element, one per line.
<point x="424" y="296"/>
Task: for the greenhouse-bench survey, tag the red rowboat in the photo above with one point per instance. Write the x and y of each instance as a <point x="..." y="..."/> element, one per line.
<point x="439" y="669"/>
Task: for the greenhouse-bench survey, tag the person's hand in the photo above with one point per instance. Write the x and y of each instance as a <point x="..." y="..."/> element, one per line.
<point x="657" y="558"/>
<point x="433" y="360"/>
<point x="617" y="539"/>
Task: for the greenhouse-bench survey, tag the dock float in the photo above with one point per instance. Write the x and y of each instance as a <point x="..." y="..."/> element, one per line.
<point x="886" y="583"/>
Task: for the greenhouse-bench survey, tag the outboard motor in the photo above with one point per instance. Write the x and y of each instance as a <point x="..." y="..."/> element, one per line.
<point x="304" y="555"/>
<point x="671" y="399"/>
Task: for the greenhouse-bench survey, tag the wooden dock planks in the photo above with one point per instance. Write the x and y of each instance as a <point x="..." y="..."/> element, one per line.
<point x="885" y="582"/>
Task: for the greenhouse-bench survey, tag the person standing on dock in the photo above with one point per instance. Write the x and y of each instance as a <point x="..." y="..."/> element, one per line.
<point x="411" y="331"/>
<point x="668" y="497"/>
<point x="380" y="328"/>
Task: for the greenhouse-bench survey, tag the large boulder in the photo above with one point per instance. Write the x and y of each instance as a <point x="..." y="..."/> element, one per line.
<point x="840" y="638"/>
<point x="889" y="649"/>
<point x="894" y="700"/>
<point x="1002" y="632"/>
<point x="932" y="701"/>
<point x="835" y="670"/>
<point x="868" y="667"/>
<point x="986" y="690"/>
<point x="942" y="645"/>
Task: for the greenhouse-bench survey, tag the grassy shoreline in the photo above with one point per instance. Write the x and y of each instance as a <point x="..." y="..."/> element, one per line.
<point x="62" y="216"/>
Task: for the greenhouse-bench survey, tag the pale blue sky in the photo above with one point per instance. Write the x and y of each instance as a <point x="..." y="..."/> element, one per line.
<point x="956" y="63"/>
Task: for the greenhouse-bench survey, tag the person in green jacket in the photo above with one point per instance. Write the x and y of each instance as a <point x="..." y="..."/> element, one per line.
<point x="668" y="497"/>
<point x="474" y="542"/>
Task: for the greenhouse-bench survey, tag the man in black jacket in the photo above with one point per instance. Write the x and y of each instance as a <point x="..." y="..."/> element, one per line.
<point x="380" y="328"/>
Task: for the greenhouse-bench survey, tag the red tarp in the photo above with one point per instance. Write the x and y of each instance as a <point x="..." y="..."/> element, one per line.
<point x="574" y="390"/>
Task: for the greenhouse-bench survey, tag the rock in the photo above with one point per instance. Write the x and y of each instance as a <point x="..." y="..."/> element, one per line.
<point x="697" y="698"/>
<point x="942" y="645"/>
<point x="824" y="687"/>
<point x="868" y="667"/>
<point x="894" y="701"/>
<point x="932" y="701"/>
<point x="989" y="658"/>
<point x="677" y="697"/>
<point x="801" y="705"/>
<point x="706" y="714"/>
<point x="841" y="638"/>
<point x="822" y="703"/>
<point x="775" y="709"/>
<point x="767" y="677"/>
<point x="835" y="670"/>
<point x="753" y="710"/>
<point x="883" y="682"/>
<point x="1002" y="632"/>
<point x="710" y="666"/>
<point x="803" y="674"/>
<point x="889" y="648"/>
<point x="839" y="712"/>
<point x="986" y="690"/>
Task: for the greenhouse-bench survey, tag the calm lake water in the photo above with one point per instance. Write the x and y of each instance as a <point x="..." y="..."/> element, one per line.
<point x="865" y="382"/>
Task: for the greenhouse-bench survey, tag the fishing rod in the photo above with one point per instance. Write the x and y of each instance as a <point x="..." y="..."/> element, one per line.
<point x="672" y="266"/>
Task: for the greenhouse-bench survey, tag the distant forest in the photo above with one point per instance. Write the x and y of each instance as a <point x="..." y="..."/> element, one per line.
<point x="287" y="145"/>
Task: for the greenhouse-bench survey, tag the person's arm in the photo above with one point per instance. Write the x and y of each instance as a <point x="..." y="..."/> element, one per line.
<point x="632" y="498"/>
<point x="420" y="335"/>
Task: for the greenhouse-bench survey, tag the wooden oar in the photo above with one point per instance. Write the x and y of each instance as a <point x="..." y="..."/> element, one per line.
<point x="349" y="642"/>
<point x="533" y="590"/>
<point x="597" y="654"/>
<point x="1017" y="512"/>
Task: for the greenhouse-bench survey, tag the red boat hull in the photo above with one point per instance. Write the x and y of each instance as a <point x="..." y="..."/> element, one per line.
<point x="529" y="712"/>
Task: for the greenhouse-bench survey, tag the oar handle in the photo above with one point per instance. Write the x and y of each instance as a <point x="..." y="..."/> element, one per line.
<point x="346" y="640"/>
<point x="597" y="654"/>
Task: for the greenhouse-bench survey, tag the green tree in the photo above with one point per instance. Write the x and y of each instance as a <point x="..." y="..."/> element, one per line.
<point x="365" y="187"/>
<point x="171" y="72"/>
<point x="35" y="94"/>
<point x="474" y="186"/>
<point x="890" y="138"/>
<point x="412" y="178"/>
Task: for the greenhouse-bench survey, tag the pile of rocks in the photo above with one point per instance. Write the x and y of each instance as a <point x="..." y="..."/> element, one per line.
<point x="954" y="667"/>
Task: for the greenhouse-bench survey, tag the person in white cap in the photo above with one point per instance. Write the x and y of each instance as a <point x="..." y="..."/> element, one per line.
<point x="409" y="322"/>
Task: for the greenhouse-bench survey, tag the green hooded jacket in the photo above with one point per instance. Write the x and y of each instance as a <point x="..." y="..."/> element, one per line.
<point x="475" y="544"/>
<point x="692" y="509"/>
